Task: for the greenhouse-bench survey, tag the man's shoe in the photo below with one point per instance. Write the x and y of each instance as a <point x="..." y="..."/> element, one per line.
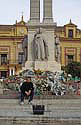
<point x="21" y="103"/>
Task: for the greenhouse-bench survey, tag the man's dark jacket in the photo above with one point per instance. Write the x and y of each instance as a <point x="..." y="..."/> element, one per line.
<point x="26" y="87"/>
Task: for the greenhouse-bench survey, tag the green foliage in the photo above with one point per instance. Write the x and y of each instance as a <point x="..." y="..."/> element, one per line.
<point x="20" y="74"/>
<point x="74" y="69"/>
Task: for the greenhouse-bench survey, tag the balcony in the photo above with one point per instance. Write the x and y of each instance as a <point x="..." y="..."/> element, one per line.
<point x="7" y="62"/>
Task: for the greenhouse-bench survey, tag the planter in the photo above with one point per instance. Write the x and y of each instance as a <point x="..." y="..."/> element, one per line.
<point x="38" y="109"/>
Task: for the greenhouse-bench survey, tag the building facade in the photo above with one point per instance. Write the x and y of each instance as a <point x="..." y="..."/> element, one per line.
<point x="11" y="52"/>
<point x="70" y="43"/>
<point x="14" y="46"/>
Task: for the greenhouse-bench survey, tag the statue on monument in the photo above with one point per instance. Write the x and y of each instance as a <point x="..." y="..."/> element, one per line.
<point x="57" y="47"/>
<point x="40" y="47"/>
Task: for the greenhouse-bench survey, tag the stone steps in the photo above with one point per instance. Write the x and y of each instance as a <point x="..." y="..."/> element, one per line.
<point x="57" y="112"/>
<point x="46" y="95"/>
<point x="24" y="121"/>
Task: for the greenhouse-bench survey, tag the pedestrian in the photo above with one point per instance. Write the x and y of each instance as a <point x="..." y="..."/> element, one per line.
<point x="27" y="89"/>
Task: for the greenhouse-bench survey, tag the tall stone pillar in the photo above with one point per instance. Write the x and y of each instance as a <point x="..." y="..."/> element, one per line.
<point x="48" y="18"/>
<point x="34" y="11"/>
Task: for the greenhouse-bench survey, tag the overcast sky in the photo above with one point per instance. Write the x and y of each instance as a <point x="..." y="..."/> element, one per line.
<point x="63" y="11"/>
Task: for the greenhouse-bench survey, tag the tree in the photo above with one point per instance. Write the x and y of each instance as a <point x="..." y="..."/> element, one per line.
<point x="74" y="69"/>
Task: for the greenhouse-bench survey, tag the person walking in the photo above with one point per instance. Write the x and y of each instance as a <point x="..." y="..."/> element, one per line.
<point x="27" y="89"/>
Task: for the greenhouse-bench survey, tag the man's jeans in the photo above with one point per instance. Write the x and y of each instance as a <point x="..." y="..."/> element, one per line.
<point x="30" y="97"/>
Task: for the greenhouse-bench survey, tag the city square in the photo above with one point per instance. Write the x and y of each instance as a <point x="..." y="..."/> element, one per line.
<point x="51" y="56"/>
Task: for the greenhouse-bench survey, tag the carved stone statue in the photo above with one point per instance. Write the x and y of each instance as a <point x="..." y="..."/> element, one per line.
<point x="40" y="48"/>
<point x="57" y="49"/>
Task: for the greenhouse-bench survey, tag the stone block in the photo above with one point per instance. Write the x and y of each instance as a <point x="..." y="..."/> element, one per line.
<point x="6" y="121"/>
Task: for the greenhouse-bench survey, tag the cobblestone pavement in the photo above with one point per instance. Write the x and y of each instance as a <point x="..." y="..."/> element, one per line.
<point x="54" y="109"/>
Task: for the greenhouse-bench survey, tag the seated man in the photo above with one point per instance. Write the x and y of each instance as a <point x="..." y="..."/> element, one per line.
<point x="27" y="89"/>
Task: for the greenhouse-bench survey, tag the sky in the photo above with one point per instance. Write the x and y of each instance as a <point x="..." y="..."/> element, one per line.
<point x="63" y="11"/>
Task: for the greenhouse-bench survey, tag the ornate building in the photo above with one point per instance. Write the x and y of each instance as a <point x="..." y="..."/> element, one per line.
<point x="14" y="46"/>
<point x="70" y="43"/>
<point x="11" y="53"/>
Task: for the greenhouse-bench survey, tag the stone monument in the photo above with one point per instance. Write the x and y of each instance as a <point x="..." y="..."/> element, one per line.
<point x="47" y="11"/>
<point x="41" y="38"/>
<point x="34" y="11"/>
<point x="1" y="88"/>
<point x="40" y="47"/>
<point x="57" y="49"/>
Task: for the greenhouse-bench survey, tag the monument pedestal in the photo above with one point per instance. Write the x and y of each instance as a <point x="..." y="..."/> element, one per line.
<point x="28" y="65"/>
<point x="43" y="65"/>
<point x="47" y="65"/>
<point x="1" y="89"/>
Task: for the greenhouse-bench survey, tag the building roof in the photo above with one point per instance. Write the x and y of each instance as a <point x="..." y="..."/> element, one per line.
<point x="6" y="27"/>
<point x="10" y="27"/>
<point x="70" y="24"/>
<point x="59" y="28"/>
<point x="21" y="22"/>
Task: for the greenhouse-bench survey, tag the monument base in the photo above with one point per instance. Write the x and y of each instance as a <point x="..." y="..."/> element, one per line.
<point x="48" y="65"/>
<point x="43" y="65"/>
<point x="1" y="89"/>
<point x="28" y="65"/>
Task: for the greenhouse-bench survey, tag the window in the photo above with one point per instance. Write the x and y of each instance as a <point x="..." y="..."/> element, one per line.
<point x="3" y="59"/>
<point x="70" y="33"/>
<point x="20" y="60"/>
<point x="3" y="74"/>
<point x="11" y="72"/>
<point x="70" y="58"/>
